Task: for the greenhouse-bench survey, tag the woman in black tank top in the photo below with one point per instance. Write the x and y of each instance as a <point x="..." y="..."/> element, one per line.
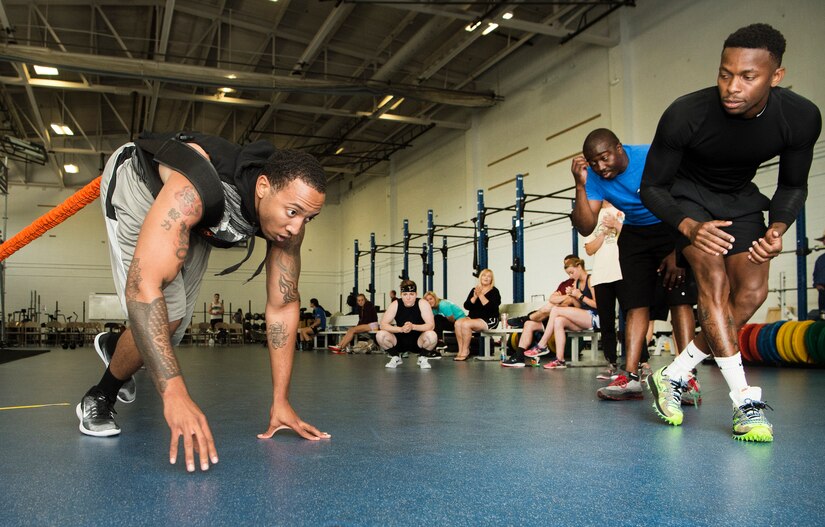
<point x="482" y="307"/>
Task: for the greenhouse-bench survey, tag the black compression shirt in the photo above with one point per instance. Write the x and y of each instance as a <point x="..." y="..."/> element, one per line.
<point x="700" y="152"/>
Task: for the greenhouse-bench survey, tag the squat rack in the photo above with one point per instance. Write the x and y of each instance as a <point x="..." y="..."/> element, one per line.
<point x="479" y="238"/>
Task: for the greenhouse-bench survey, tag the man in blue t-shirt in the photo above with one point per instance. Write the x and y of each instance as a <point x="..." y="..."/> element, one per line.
<point x="611" y="171"/>
<point x="318" y="324"/>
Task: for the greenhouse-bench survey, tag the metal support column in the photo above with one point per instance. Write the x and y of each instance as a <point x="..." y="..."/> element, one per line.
<point x="518" y="242"/>
<point x="801" y="267"/>
<point x="405" y="272"/>
<point x="481" y="229"/>
<point x="355" y="272"/>
<point x="373" y="248"/>
<point x="428" y="286"/>
<point x="444" y="266"/>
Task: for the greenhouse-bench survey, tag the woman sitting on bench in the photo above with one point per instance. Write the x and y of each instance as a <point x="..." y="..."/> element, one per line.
<point x="367" y="321"/>
<point x="482" y="307"/>
<point x="569" y="318"/>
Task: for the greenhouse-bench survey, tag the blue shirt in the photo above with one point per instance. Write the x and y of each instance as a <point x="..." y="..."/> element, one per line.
<point x="319" y="313"/>
<point x="623" y="190"/>
<point x="448" y="309"/>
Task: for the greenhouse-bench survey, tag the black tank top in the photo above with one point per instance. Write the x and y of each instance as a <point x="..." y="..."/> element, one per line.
<point x="406" y="314"/>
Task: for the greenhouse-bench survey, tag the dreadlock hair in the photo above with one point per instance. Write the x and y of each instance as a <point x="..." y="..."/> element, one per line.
<point x="758" y="36"/>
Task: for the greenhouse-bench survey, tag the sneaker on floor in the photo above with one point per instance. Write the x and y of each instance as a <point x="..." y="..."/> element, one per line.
<point x="692" y="394"/>
<point x="555" y="365"/>
<point x="423" y="362"/>
<point x="621" y="389"/>
<point x="644" y="372"/>
<point x="405" y="354"/>
<point x="749" y="421"/>
<point x="440" y="346"/>
<point x="433" y="355"/>
<point x="512" y="362"/>
<point x="334" y="349"/>
<point x="394" y="362"/>
<point x="667" y="396"/>
<point x="536" y="351"/>
<point x="607" y="374"/>
<point x="97" y="415"/>
<point x="104" y="346"/>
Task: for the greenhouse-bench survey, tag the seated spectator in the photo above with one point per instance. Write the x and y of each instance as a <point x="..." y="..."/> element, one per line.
<point x="367" y="321"/>
<point x="532" y="322"/>
<point x="445" y="313"/>
<point x="237" y="318"/>
<point x="319" y="323"/>
<point x="412" y="330"/>
<point x="569" y="318"/>
<point x="482" y="306"/>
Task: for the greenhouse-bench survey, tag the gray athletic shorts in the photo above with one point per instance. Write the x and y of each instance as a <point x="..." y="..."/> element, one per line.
<point x="126" y="201"/>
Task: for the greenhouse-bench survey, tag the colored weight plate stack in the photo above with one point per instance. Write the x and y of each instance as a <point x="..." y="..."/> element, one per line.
<point x="753" y="349"/>
<point x="815" y="352"/>
<point x="783" y="342"/>
<point x="798" y="342"/>
<point x="744" y="343"/>
<point x="770" y="341"/>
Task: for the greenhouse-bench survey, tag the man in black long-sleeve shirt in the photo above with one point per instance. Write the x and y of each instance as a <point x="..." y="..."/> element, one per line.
<point x="698" y="178"/>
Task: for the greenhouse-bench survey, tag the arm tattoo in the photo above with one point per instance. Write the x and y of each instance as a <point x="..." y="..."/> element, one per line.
<point x="277" y="334"/>
<point x="133" y="280"/>
<point x="289" y="269"/>
<point x="166" y="225"/>
<point x="183" y="242"/>
<point x="174" y="214"/>
<point x="150" y="327"/>
<point x="188" y="200"/>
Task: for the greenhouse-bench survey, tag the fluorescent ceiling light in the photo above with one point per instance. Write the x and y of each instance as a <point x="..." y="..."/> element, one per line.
<point x="71" y="169"/>
<point x="231" y="76"/>
<point x="490" y="28"/>
<point x="226" y="89"/>
<point x="45" y="70"/>
<point x="61" y="129"/>
<point x="387" y="99"/>
<point x="507" y="16"/>
<point x="340" y="149"/>
<point x="472" y="26"/>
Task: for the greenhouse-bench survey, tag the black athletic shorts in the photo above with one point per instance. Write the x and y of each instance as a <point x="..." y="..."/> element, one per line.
<point x="745" y="229"/>
<point x="664" y="299"/>
<point x="641" y="250"/>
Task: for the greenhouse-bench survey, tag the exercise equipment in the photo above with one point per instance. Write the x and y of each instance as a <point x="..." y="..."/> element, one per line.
<point x="753" y="337"/>
<point x="783" y="344"/>
<point x="744" y="345"/>
<point x="481" y="235"/>
<point x="811" y="340"/>
<point x="798" y="342"/>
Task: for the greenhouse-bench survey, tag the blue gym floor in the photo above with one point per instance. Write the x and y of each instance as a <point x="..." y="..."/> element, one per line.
<point x="460" y="444"/>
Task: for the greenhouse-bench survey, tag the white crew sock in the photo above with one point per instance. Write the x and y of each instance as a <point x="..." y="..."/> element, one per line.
<point x="734" y="375"/>
<point x="684" y="363"/>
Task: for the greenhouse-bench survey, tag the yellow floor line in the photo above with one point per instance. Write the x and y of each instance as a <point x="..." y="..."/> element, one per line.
<point x="33" y="406"/>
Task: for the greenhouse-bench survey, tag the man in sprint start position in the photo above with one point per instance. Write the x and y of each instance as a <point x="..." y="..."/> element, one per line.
<point x="698" y="179"/>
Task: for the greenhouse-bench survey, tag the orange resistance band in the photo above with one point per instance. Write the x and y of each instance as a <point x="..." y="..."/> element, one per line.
<point x="51" y="219"/>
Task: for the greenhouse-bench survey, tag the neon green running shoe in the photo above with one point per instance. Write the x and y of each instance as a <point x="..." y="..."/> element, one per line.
<point x="667" y="396"/>
<point x="750" y="423"/>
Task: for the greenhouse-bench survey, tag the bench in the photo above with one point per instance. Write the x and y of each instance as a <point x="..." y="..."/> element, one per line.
<point x="577" y="338"/>
<point x="336" y="325"/>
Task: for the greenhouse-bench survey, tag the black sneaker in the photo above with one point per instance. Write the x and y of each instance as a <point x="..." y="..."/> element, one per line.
<point x="432" y="355"/>
<point x="104" y="346"/>
<point x="517" y="322"/>
<point x="97" y="414"/>
<point x="512" y="362"/>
